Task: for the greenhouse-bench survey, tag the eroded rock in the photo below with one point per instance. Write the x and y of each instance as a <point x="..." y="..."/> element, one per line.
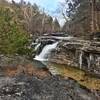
<point x="78" y="53"/>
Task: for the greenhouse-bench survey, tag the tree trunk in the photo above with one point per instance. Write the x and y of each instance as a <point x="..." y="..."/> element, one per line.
<point x="43" y="22"/>
<point x="93" y="15"/>
<point x="94" y="22"/>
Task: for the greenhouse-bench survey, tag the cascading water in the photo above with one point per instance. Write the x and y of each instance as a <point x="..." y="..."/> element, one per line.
<point x="90" y="59"/>
<point x="43" y="56"/>
<point x="80" y="59"/>
<point x="37" y="46"/>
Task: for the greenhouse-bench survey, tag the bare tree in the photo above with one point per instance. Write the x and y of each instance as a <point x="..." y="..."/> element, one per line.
<point x="94" y="22"/>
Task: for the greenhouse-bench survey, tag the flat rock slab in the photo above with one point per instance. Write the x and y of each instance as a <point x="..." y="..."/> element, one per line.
<point x="24" y="87"/>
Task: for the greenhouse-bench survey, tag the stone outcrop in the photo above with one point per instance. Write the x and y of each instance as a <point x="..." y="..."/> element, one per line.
<point x="75" y="52"/>
<point x="78" y="53"/>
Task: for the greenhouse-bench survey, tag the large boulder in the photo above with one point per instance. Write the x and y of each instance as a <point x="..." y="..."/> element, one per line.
<point x="78" y="53"/>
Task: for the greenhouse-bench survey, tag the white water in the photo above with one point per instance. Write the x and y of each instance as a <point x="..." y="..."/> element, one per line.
<point x="37" y="46"/>
<point x="43" y="56"/>
<point x="80" y="59"/>
<point x="58" y="37"/>
<point x="89" y="63"/>
<point x="63" y="38"/>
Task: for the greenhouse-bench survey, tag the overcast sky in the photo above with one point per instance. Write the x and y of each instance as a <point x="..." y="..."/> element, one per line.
<point x="50" y="6"/>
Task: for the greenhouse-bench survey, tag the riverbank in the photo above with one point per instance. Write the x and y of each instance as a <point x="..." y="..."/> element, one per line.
<point x="24" y="80"/>
<point x="25" y="87"/>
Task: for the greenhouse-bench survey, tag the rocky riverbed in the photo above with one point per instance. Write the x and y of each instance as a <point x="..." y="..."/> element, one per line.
<point x="24" y="87"/>
<point x="24" y="81"/>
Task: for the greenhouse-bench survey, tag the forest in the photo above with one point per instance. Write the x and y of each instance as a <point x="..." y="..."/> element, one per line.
<point x="82" y="17"/>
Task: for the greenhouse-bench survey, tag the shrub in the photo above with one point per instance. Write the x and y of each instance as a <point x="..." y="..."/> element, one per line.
<point x="13" y="39"/>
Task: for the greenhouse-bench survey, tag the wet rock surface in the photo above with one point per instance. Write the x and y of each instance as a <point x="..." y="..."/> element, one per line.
<point x="24" y="87"/>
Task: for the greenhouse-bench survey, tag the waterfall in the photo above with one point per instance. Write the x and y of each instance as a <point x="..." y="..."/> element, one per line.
<point x="43" y="56"/>
<point x="89" y="62"/>
<point x="37" y="46"/>
<point x="80" y="60"/>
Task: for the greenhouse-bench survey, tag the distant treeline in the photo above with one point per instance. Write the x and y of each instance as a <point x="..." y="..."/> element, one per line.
<point x="82" y="17"/>
<point x="31" y="17"/>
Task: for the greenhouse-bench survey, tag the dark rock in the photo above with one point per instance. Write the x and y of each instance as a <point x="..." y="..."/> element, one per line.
<point x="51" y="88"/>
